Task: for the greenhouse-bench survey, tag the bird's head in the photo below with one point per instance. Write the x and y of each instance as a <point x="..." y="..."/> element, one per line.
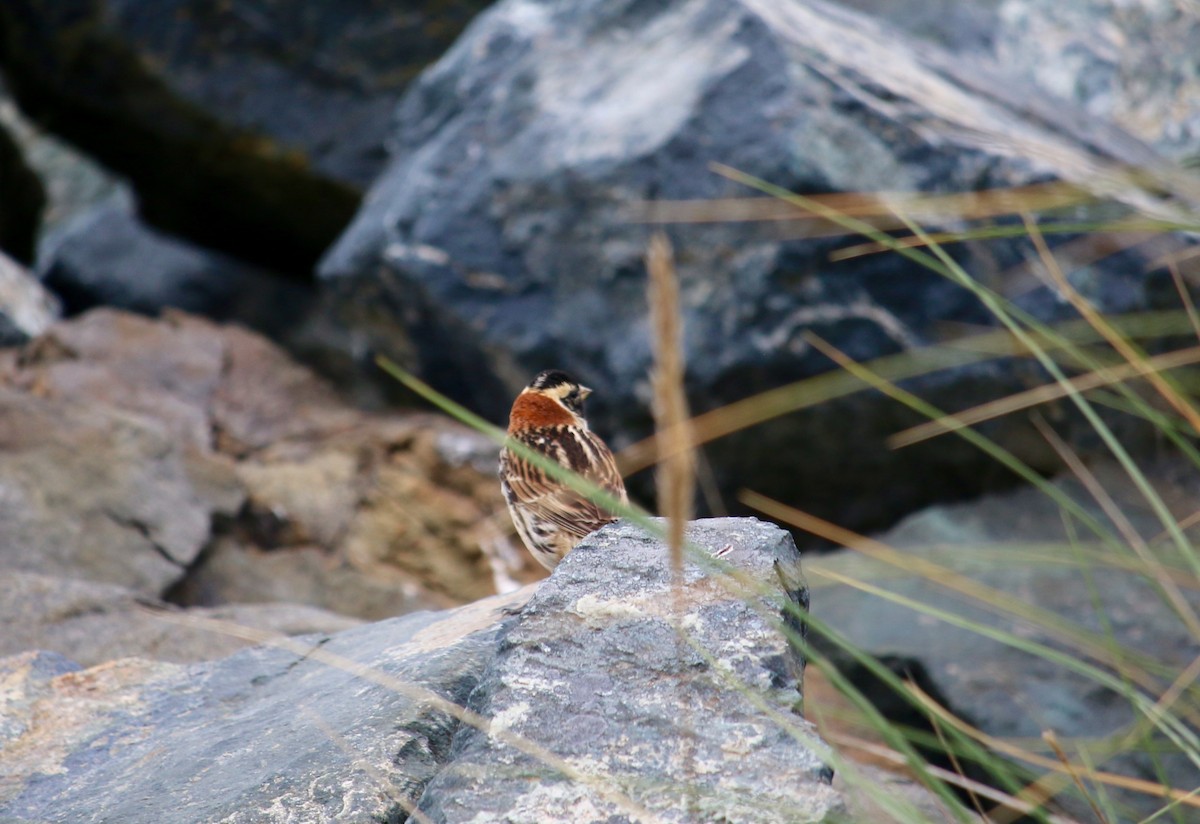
<point x="561" y="388"/>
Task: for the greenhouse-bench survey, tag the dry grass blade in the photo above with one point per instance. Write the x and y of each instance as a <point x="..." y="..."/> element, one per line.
<point x="676" y="478"/>
<point x="1040" y="395"/>
<point x="414" y="692"/>
<point x="1114" y="338"/>
<point x="1052" y="741"/>
<point x="933" y="207"/>
<point x="1184" y="295"/>
<point x="997" y="601"/>
<point x="677" y="471"/>
<point x="1123" y="525"/>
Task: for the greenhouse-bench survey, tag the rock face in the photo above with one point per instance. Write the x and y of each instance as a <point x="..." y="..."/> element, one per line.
<point x="591" y="669"/>
<point x="181" y="458"/>
<point x="1017" y="545"/>
<point x="595" y="672"/>
<point x="248" y="128"/>
<point x="266" y="735"/>
<point x="1098" y="55"/>
<point x="507" y="234"/>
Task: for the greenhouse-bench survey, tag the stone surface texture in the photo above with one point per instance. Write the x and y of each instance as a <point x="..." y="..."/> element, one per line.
<point x="265" y="735"/>
<point x="186" y="458"/>
<point x="706" y="727"/>
<point x="508" y="232"/>
<point x="345" y="727"/>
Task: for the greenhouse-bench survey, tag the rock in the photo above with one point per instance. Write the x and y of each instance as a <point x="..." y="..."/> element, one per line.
<point x="247" y="128"/>
<point x="341" y="727"/>
<point x="91" y="623"/>
<point x="594" y="672"/>
<point x="21" y="206"/>
<point x="292" y="495"/>
<point x="72" y="181"/>
<point x="1136" y="64"/>
<point x="107" y="257"/>
<point x="1016" y="544"/>
<point x="26" y="308"/>
<point x="964" y="27"/>
<point x="269" y="734"/>
<point x="104" y="494"/>
<point x="508" y="232"/>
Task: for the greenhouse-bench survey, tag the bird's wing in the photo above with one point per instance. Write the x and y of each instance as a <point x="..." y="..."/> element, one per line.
<point x="549" y="499"/>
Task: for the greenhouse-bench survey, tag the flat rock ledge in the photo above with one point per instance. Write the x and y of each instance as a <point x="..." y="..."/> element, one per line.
<point x="643" y="722"/>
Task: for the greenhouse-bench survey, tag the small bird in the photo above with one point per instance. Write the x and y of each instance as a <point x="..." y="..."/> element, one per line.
<point x="550" y="517"/>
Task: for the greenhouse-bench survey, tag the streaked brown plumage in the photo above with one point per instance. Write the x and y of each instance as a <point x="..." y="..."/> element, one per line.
<point x="550" y="517"/>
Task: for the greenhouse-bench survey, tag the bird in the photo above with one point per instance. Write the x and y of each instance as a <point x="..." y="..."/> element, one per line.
<point x="551" y="518"/>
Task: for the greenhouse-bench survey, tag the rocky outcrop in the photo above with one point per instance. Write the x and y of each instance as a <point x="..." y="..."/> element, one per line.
<point x="592" y="671"/>
<point x="507" y="234"/>
<point x="1055" y="585"/>
<point x="248" y="128"/>
<point x="291" y="734"/>
<point x="178" y="457"/>
<point x="596" y="672"/>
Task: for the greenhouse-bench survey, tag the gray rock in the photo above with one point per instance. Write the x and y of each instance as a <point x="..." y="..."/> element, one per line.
<point x="966" y="27"/>
<point x="72" y="181"/>
<point x="507" y="235"/>
<point x="247" y="127"/>
<point x="91" y="623"/>
<point x="1018" y="546"/>
<point x="595" y="672"/>
<point x="269" y="734"/>
<point x="336" y="728"/>
<point x="106" y="256"/>
<point x="105" y="494"/>
<point x="26" y="308"/>
<point x="1136" y="63"/>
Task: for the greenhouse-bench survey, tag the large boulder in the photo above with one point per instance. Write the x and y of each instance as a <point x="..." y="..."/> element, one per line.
<point x="267" y="735"/>
<point x="247" y="127"/>
<point x="350" y="727"/>
<point x="507" y="234"/>
<point x="1056" y="584"/>
<point x="71" y="181"/>
<point x="110" y="496"/>
<point x="597" y="672"/>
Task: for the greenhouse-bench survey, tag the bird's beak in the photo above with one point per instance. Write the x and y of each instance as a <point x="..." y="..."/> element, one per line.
<point x="584" y="391"/>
